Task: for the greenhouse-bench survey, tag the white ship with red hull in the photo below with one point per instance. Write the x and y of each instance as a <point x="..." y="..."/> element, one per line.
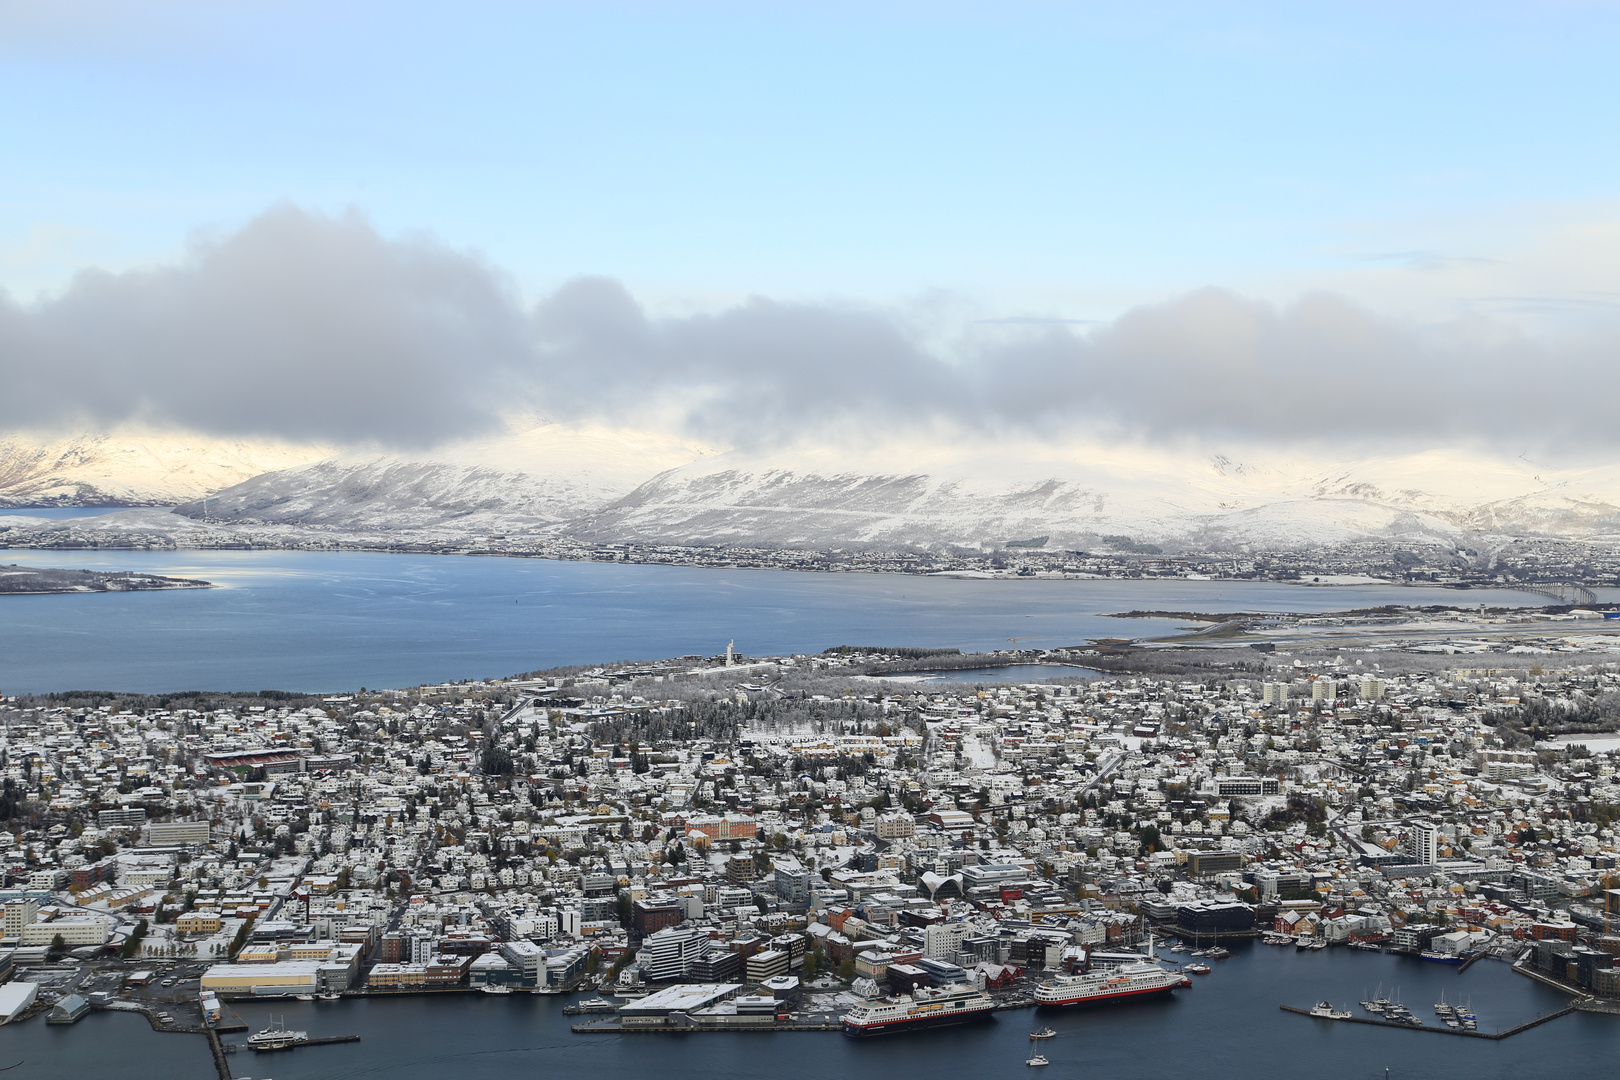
<point x="924" y="1007"/>
<point x="1138" y="979"/>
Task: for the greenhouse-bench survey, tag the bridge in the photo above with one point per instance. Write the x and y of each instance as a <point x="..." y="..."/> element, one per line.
<point x="1562" y="594"/>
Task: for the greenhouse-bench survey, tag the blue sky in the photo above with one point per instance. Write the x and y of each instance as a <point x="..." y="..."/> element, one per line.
<point x="1031" y="159"/>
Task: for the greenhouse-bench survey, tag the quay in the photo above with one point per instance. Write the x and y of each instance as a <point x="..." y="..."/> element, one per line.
<point x="616" y="1027"/>
<point x="1492" y="1035"/>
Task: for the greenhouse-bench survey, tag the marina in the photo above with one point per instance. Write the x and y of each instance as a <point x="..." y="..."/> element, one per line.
<point x="1345" y="1016"/>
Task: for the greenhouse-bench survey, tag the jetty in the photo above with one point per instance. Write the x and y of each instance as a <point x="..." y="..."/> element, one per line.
<point x="1463" y="1032"/>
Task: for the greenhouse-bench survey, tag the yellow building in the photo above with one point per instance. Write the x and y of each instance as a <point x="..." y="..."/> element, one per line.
<point x="198" y="922"/>
<point x="292" y="977"/>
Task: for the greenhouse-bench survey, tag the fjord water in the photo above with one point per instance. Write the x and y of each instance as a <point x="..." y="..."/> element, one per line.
<point x="326" y="621"/>
<point x="1227" y="1024"/>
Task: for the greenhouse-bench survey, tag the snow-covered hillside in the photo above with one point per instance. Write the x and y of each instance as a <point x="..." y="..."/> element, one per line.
<point x="1095" y="496"/>
<point x="133" y="468"/>
<point x="510" y="483"/>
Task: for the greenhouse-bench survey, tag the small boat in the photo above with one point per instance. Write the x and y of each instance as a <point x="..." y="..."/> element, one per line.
<point x="331" y="997"/>
<point x="1178" y="947"/>
<point x="495" y="989"/>
<point x="1044" y="1033"/>
<point x="1303" y="941"/>
<point x="1217" y="953"/>
<point x="1326" y="1011"/>
<point x="1198" y="969"/>
<point x="1036" y="1060"/>
<point x="1318" y="944"/>
<point x="305" y="997"/>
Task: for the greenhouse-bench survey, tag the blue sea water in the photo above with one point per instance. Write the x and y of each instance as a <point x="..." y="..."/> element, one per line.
<point x="319" y="621"/>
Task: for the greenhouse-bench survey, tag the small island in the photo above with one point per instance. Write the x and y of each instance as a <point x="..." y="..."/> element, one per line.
<point x="27" y="580"/>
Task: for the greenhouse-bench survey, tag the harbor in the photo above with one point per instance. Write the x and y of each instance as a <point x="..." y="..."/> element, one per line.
<point x="1230" y="1013"/>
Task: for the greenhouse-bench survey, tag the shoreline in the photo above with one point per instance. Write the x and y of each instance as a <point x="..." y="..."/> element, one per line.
<point x="797" y="560"/>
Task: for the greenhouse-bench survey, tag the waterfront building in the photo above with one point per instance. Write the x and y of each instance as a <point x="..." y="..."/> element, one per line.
<point x="671" y="953"/>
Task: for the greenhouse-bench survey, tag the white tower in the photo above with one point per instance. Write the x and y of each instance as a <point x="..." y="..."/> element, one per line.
<point x="729" y="661"/>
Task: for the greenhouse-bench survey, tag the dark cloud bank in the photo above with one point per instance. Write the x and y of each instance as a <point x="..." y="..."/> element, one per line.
<point x="306" y="327"/>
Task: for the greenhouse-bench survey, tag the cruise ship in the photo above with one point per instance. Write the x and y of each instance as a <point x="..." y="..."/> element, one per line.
<point x="924" y="1007"/>
<point x="1139" y="978"/>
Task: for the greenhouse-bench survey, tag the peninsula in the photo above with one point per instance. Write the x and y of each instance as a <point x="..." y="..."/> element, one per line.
<point x="20" y="580"/>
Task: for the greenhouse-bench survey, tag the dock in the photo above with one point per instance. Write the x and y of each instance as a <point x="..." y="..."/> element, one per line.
<point x="1492" y="1035"/>
<point x="615" y="1027"/>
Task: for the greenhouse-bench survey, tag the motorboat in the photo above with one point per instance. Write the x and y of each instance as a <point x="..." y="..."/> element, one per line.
<point x="1198" y="969"/>
<point x="1044" y="1033"/>
<point x="1038" y="1059"/>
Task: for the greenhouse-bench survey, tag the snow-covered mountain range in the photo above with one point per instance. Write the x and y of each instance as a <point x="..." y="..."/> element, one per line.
<point x="606" y="484"/>
<point x="134" y="468"/>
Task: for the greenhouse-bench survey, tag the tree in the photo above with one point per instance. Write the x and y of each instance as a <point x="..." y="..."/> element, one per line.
<point x="846" y="970"/>
<point x="132" y="944"/>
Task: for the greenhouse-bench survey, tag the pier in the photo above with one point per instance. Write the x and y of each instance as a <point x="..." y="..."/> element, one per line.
<point x="1496" y="1035"/>
<point x="218" y="1050"/>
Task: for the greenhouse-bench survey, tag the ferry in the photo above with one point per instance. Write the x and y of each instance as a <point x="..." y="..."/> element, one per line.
<point x="277" y="1037"/>
<point x="589" y="1005"/>
<point x="924" y="1007"/>
<point x="1140" y="978"/>
<point x="1440" y="958"/>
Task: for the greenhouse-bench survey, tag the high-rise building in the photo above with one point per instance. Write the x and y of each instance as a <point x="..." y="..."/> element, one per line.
<point x="1423" y="843"/>
<point x="792" y="881"/>
<point x="1274" y="693"/>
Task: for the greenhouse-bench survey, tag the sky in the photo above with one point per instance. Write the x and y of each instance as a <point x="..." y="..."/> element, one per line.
<point x="1243" y="200"/>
